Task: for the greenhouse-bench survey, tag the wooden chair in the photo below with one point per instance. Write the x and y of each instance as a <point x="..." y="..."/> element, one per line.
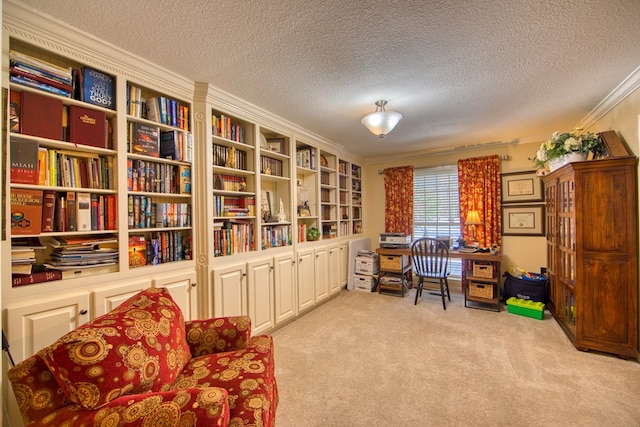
<point x="430" y="259"/>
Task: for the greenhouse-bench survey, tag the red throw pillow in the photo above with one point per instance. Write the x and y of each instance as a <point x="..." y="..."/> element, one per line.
<point x="136" y="348"/>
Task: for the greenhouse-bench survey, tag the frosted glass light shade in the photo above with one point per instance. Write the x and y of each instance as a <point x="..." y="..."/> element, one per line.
<point x="381" y="122"/>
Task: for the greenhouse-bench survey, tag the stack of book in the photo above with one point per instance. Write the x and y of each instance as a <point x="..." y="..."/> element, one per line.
<point x="24" y="267"/>
<point x="36" y="73"/>
<point x="80" y="253"/>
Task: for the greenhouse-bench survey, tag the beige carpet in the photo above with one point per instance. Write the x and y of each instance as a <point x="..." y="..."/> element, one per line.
<point x="365" y="359"/>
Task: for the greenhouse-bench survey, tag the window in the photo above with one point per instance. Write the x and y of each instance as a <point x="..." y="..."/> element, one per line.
<point x="436" y="207"/>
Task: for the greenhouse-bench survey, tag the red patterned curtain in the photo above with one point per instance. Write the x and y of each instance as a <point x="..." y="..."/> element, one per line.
<point x="480" y="189"/>
<point x="398" y="206"/>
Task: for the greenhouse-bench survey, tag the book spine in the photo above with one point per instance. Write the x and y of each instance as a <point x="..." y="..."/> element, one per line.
<point x="16" y="70"/>
<point x="71" y="212"/>
<point x="95" y="211"/>
<point x="39" y="277"/>
<point x="48" y="210"/>
<point x="25" y="81"/>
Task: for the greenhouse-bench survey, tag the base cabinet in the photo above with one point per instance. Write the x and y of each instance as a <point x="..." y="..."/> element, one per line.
<point x="182" y="287"/>
<point x="321" y="268"/>
<point x="261" y="295"/>
<point x="105" y="300"/>
<point x="306" y="279"/>
<point x="284" y="276"/>
<point x="334" y="270"/>
<point x="229" y="291"/>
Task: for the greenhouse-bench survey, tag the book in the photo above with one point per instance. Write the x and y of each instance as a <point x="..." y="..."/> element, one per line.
<point x="43" y="166"/>
<point x="14" y="111"/>
<point x="137" y="251"/>
<point x="184" y="173"/>
<point x="26" y="211"/>
<point x="169" y="145"/>
<point x="144" y="139"/>
<point x="39" y="277"/>
<point x="87" y="126"/>
<point x="96" y="87"/>
<point x="48" y="210"/>
<point x="40" y="115"/>
<point x="62" y="73"/>
<point x="60" y="212"/>
<point x="28" y="81"/>
<point x="71" y="211"/>
<point x="23" y="70"/>
<point x="83" y="211"/>
<point x="24" y="162"/>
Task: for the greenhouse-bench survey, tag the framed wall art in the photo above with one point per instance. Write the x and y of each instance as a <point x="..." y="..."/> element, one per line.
<point x="518" y="187"/>
<point x="523" y="220"/>
<point x="276" y="145"/>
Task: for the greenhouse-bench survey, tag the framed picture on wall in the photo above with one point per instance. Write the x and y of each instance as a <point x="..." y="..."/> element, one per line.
<point x="523" y="220"/>
<point x="518" y="187"/>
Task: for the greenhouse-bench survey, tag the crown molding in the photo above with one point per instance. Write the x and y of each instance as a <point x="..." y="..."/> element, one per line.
<point x="617" y="95"/>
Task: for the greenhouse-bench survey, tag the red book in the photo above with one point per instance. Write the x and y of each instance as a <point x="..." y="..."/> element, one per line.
<point x="48" y="210"/>
<point x="39" y="277"/>
<point x="40" y="115"/>
<point x="26" y="211"/>
<point x="87" y="126"/>
<point x="112" y="214"/>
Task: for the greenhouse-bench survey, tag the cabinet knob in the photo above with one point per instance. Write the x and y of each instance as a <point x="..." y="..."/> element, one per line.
<point x="193" y="285"/>
<point x="83" y="312"/>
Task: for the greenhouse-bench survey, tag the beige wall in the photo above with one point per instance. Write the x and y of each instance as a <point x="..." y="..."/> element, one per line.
<point x="526" y="252"/>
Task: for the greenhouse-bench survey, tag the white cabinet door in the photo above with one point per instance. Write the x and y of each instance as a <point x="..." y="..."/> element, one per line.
<point x="229" y="291"/>
<point x="261" y="295"/>
<point x="105" y="300"/>
<point x="334" y="270"/>
<point x="344" y="264"/>
<point x="182" y="287"/>
<point x="322" y="273"/>
<point x="284" y="276"/>
<point x="306" y="279"/>
<point x="36" y="325"/>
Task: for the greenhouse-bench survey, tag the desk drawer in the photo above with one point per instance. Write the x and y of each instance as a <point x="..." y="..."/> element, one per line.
<point x="393" y="262"/>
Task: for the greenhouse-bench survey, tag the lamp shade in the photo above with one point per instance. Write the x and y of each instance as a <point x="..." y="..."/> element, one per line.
<point x="473" y="218"/>
<point x="381" y="122"/>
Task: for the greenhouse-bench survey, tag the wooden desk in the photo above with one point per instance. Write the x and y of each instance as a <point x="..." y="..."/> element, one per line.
<point x="476" y="288"/>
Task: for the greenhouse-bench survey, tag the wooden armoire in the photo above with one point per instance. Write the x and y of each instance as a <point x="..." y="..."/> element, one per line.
<point x="592" y="251"/>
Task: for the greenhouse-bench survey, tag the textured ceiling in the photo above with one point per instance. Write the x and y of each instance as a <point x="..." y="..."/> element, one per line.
<point x="461" y="72"/>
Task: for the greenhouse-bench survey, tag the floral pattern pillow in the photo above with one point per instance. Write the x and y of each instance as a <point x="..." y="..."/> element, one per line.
<point x="138" y="347"/>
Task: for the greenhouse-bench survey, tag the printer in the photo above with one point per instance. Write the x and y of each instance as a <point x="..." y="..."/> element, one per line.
<point x="394" y="240"/>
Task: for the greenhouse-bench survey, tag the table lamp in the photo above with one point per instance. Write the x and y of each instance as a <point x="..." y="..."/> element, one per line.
<point x="473" y="219"/>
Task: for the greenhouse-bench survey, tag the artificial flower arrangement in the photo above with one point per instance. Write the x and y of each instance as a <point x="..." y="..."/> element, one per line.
<point x="561" y="144"/>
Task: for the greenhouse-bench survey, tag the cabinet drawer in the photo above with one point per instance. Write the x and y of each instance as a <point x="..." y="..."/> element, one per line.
<point x="393" y="262"/>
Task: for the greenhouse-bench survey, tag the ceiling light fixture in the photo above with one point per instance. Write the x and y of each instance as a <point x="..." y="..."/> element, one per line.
<point x="381" y="122"/>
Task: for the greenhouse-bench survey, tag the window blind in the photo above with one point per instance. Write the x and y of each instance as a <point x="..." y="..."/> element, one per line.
<point x="436" y="207"/>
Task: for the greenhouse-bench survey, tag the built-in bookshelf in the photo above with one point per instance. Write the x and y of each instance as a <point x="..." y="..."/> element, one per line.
<point x="234" y="184"/>
<point x="328" y="195"/>
<point x="344" y="197"/>
<point x="356" y="199"/>
<point x="63" y="180"/>
<point x="307" y="190"/>
<point x="275" y="189"/>
<point x="159" y="177"/>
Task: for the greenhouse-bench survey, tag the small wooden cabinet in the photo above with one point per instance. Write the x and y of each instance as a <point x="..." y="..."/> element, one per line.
<point x="592" y="253"/>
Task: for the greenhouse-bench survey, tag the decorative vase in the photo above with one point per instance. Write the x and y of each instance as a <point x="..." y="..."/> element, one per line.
<point x="567" y="158"/>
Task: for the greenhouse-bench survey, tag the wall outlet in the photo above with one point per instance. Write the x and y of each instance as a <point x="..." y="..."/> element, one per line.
<point x="543" y="270"/>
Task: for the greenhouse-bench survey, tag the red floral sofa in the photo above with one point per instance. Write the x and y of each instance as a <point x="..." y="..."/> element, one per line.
<point x="142" y="365"/>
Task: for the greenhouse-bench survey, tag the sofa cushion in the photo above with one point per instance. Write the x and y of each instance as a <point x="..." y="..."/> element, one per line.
<point x="136" y="348"/>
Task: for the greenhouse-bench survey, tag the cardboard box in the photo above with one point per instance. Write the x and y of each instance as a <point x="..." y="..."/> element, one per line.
<point x="366" y="265"/>
<point x="363" y="283"/>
